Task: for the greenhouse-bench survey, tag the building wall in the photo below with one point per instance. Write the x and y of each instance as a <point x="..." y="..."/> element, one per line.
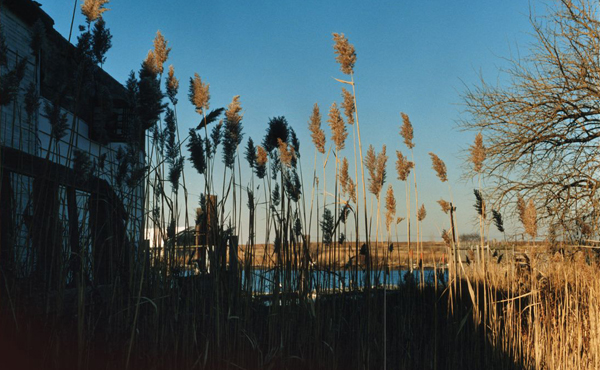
<point x="34" y="137"/>
<point x="15" y="131"/>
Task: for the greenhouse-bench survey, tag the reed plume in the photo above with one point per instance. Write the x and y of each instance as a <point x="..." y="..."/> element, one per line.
<point x="498" y="220"/>
<point x="149" y="94"/>
<point x="348" y="186"/>
<point x="150" y="63"/>
<point x="93" y="9"/>
<point x="173" y="153"/>
<point x="199" y="95"/>
<point x="216" y="137"/>
<point x="261" y="162"/>
<point x="381" y="167"/>
<point x="446" y="237"/>
<point x="175" y="172"/>
<point x="521" y="209"/>
<point x="403" y="166"/>
<point x="261" y="156"/>
<point x="295" y="143"/>
<point x="317" y="134"/>
<point x="161" y="51"/>
<point x="478" y="154"/>
<point x="338" y="128"/>
<point x="479" y="204"/>
<point x="406" y="131"/>
<point x="375" y="164"/>
<point x="476" y="157"/>
<point x="293" y="188"/>
<point x="552" y="235"/>
<point x="232" y="114"/>
<point x="530" y="219"/>
<point x="345" y="54"/>
<point x="399" y="219"/>
<point x="172" y="85"/>
<point x="197" y="148"/>
<point x="422" y="213"/>
<point x="445" y="205"/>
<point x="439" y="166"/>
<point x="390" y="207"/>
<point x="232" y="135"/>
<point x="285" y="155"/>
<point x="481" y="211"/>
<point x="327" y="226"/>
<point x="348" y="105"/>
<point x="278" y="129"/>
<point x="250" y="153"/>
<point x="101" y="41"/>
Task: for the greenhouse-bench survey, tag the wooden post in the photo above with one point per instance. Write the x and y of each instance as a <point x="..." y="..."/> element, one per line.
<point x="211" y="220"/>
<point x="200" y="238"/>
<point x="206" y="232"/>
<point x="198" y="226"/>
<point x="233" y="254"/>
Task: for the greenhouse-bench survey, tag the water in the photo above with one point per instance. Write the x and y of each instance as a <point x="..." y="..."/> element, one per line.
<point x="263" y="281"/>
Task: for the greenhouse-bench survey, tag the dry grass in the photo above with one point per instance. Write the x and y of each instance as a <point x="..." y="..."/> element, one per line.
<point x="543" y="310"/>
<point x="434" y="253"/>
<point x="539" y="311"/>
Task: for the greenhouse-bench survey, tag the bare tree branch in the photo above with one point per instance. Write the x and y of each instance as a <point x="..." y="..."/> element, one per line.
<point x="541" y="131"/>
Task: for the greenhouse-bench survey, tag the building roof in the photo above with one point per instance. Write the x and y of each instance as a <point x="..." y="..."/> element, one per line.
<point x="29" y="11"/>
<point x="59" y="64"/>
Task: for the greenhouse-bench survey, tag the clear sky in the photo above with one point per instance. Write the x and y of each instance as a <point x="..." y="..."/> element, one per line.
<point x="416" y="57"/>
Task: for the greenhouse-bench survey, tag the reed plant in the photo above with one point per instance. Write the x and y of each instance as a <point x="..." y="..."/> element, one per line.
<point x="407" y="133"/>
<point x="293" y="303"/>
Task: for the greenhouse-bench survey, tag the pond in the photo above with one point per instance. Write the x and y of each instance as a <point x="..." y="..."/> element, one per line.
<point x="263" y="280"/>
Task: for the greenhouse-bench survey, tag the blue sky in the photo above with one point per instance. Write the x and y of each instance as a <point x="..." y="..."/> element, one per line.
<point x="415" y="57"/>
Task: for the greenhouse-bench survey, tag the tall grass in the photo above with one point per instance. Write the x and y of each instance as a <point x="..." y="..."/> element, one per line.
<point x="291" y="302"/>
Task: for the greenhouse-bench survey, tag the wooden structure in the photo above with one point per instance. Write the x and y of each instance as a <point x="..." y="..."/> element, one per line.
<point x="57" y="220"/>
<point x="211" y="246"/>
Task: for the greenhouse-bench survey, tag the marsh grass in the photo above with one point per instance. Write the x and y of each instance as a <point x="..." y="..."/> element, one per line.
<point x="543" y="312"/>
<point x="147" y="312"/>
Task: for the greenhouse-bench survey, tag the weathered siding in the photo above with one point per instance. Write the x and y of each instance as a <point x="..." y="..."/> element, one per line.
<point x="15" y="131"/>
<point x="36" y="243"/>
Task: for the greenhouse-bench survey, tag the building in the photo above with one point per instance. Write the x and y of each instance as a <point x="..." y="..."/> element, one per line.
<point x="71" y="204"/>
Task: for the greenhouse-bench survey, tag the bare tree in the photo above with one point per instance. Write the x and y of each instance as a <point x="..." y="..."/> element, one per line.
<point x="541" y="131"/>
